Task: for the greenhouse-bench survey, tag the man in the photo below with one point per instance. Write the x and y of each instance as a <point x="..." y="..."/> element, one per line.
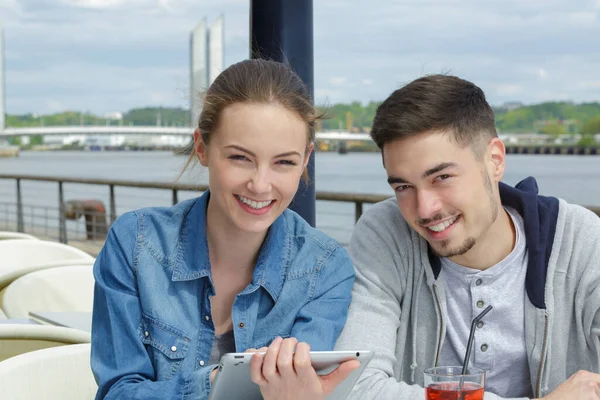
<point x="456" y="240"/>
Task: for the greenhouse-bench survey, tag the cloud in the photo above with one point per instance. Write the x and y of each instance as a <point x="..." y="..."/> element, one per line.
<point x="103" y="55"/>
<point x="98" y="88"/>
<point x="338" y="80"/>
<point x="542" y="73"/>
<point x="98" y="4"/>
<point x="589" y="84"/>
<point x="10" y="5"/>
<point x="54" y="105"/>
<point x="508" y="89"/>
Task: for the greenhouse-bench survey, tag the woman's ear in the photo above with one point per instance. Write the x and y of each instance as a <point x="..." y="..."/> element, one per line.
<point x="308" y="153"/>
<point x="200" y="148"/>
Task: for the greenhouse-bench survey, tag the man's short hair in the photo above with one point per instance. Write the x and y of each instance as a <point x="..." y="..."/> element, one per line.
<point x="436" y="103"/>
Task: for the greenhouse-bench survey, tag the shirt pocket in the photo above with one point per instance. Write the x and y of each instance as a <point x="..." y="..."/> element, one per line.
<point x="166" y="345"/>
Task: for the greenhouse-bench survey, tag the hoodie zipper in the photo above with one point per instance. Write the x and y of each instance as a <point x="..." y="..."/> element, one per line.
<point x="437" y="301"/>
<point x="543" y="358"/>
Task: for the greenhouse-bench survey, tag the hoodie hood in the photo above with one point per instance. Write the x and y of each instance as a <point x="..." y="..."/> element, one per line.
<point x="539" y="214"/>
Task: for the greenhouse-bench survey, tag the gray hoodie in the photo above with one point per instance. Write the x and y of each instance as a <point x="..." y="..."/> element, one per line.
<point x="398" y="303"/>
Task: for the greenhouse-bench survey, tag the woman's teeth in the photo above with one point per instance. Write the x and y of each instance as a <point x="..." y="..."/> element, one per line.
<point x="257" y="205"/>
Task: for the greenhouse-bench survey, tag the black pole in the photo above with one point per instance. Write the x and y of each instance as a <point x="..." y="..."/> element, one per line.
<point x="282" y="30"/>
<point x="20" y="227"/>
<point x="62" y="224"/>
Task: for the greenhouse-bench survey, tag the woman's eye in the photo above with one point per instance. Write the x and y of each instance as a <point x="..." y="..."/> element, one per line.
<point x="286" y="162"/>
<point x="238" y="157"/>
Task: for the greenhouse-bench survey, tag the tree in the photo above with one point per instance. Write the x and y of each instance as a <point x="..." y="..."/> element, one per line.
<point x="36" y="139"/>
<point x="591" y="127"/>
<point x="586" y="140"/>
<point x="554" y="129"/>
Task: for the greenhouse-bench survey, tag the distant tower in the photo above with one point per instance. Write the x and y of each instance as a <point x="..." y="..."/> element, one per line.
<point x="207" y="59"/>
<point x="198" y="69"/>
<point x="216" y="47"/>
<point x="2" y="111"/>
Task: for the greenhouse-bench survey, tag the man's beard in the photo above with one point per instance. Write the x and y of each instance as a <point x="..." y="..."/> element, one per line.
<point x="445" y="250"/>
<point x="448" y="252"/>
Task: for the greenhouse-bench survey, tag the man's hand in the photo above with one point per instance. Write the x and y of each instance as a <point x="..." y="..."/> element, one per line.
<point x="582" y="385"/>
<point x="284" y="374"/>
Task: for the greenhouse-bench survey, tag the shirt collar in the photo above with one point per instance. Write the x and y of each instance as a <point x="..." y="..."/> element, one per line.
<point x="193" y="260"/>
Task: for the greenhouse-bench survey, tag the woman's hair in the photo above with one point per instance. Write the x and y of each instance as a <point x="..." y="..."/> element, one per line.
<point x="256" y="81"/>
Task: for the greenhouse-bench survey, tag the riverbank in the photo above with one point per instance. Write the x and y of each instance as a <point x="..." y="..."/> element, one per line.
<point x="9" y="151"/>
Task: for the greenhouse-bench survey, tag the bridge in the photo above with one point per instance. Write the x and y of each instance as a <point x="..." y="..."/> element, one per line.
<point x="143" y="131"/>
<point x="165" y="131"/>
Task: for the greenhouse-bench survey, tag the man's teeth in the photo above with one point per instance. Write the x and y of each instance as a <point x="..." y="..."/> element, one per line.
<point x="254" y="204"/>
<point x="441" y="226"/>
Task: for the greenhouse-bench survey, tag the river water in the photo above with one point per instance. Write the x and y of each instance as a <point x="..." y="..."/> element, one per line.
<point x="574" y="178"/>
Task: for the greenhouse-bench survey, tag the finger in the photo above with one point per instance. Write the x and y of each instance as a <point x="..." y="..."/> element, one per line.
<point x="252" y="350"/>
<point x="213" y="374"/>
<point x="256" y="375"/>
<point x="302" y="364"/>
<point x="285" y="359"/>
<point x="337" y="376"/>
<point x="593" y="377"/>
<point x="269" y="365"/>
<point x="583" y="375"/>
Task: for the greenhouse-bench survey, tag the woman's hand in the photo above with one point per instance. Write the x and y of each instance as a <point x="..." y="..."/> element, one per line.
<point x="285" y="375"/>
<point x="214" y="372"/>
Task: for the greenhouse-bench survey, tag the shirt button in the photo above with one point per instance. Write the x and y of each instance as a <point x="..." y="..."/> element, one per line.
<point x="173" y="349"/>
<point x="202" y="363"/>
<point x="480" y="303"/>
<point x="478" y="282"/>
<point x="484" y="347"/>
<point x="241" y="325"/>
<point x="146" y="333"/>
<point x="480" y="324"/>
<point x="207" y="318"/>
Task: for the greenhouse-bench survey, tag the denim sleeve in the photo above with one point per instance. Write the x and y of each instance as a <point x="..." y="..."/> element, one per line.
<point x="320" y="321"/>
<point x="119" y="361"/>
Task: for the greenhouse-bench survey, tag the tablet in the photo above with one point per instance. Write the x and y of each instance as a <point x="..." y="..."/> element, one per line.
<point x="233" y="379"/>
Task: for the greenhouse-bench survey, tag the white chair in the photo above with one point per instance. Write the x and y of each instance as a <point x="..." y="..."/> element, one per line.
<point x="7" y="235"/>
<point x="58" y="373"/>
<point x="17" y="339"/>
<point x="18" y="257"/>
<point x="60" y="289"/>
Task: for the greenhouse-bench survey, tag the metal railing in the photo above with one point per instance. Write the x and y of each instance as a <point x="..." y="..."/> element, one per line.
<point x="357" y="199"/>
<point x="97" y="223"/>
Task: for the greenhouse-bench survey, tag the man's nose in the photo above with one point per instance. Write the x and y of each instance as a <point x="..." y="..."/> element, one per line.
<point x="428" y="204"/>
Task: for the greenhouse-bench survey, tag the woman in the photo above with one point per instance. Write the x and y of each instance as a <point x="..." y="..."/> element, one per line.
<point x="231" y="271"/>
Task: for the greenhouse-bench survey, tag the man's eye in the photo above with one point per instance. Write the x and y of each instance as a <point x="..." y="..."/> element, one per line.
<point x="402" y="188"/>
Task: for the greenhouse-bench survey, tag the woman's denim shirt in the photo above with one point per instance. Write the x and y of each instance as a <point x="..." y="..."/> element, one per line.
<point x="152" y="331"/>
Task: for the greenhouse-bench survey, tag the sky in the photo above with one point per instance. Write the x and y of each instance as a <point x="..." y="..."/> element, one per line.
<point x="104" y="56"/>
